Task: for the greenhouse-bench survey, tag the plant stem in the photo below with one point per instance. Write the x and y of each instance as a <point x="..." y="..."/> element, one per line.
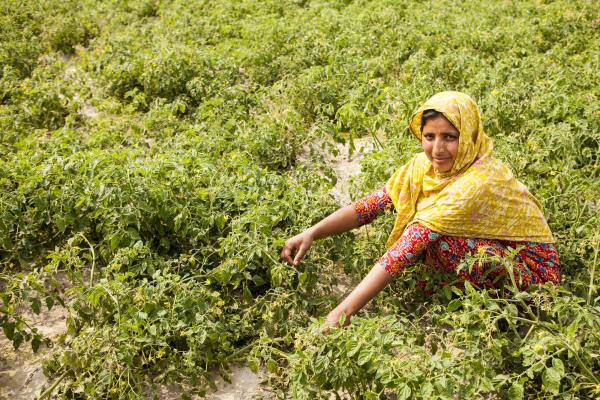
<point x="592" y="287"/>
<point x="581" y="364"/>
<point x="49" y="391"/>
<point x="93" y="257"/>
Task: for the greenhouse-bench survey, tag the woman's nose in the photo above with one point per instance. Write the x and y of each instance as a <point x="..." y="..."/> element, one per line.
<point x="439" y="147"/>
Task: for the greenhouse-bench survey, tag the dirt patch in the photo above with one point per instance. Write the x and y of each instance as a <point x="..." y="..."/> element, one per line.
<point x="89" y="111"/>
<point x="244" y="385"/>
<point x="21" y="375"/>
<point x="344" y="165"/>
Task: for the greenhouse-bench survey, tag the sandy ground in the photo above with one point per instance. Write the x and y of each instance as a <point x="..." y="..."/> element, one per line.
<point x="245" y="384"/>
<point x="21" y="376"/>
<point x="20" y="370"/>
<point x="345" y="166"/>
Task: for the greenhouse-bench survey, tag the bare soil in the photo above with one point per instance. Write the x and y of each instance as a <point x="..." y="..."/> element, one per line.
<point x="21" y="375"/>
<point x="344" y="165"/>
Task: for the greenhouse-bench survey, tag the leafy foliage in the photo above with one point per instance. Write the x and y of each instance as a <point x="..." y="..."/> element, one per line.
<point x="158" y="153"/>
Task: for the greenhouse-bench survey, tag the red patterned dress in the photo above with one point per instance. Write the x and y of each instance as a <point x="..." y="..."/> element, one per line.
<point x="535" y="263"/>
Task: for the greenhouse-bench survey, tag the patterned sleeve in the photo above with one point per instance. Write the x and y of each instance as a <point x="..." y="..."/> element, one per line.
<point x="370" y="207"/>
<point x="408" y="248"/>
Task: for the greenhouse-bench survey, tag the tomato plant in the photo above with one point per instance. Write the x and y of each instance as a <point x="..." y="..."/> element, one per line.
<point x="158" y="153"/>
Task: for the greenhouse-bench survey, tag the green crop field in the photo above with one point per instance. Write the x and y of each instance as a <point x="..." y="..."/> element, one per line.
<point x="157" y="154"/>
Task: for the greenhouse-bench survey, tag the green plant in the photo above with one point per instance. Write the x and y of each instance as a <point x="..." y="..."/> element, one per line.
<point x="157" y="154"/>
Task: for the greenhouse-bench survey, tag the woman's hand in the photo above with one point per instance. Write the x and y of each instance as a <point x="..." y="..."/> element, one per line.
<point x="333" y="320"/>
<point x="369" y="287"/>
<point x="299" y="244"/>
<point x="340" y="221"/>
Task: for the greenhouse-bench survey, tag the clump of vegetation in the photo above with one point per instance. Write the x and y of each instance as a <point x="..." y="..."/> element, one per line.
<point x="167" y="206"/>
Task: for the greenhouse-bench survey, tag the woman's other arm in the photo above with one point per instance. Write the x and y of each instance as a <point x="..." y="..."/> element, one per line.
<point x="377" y="279"/>
<point x="415" y="239"/>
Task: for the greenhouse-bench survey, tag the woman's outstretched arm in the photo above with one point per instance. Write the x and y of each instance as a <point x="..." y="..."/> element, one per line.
<point x="346" y="218"/>
<point x="343" y="220"/>
<point x="377" y="279"/>
<point x="408" y="248"/>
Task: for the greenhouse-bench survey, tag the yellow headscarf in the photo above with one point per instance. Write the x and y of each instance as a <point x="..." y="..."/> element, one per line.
<point x="479" y="197"/>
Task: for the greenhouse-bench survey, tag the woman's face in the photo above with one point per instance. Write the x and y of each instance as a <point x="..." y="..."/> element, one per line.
<point x="440" y="143"/>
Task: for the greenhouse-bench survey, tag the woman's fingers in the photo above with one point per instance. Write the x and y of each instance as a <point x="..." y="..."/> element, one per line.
<point x="325" y="328"/>
<point x="299" y="244"/>
<point x="301" y="251"/>
<point x="302" y="244"/>
<point x="286" y="254"/>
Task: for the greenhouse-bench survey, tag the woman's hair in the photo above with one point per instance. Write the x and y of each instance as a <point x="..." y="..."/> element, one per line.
<point x="433" y="114"/>
<point x="430" y="114"/>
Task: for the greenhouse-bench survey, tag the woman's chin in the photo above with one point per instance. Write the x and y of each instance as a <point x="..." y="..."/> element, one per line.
<point x="442" y="167"/>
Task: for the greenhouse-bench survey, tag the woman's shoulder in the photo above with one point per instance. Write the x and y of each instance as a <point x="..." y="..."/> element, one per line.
<point x="491" y="167"/>
<point x="493" y="174"/>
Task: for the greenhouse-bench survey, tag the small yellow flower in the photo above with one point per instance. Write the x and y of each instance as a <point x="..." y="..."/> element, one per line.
<point x="494" y="92"/>
<point x="138" y="298"/>
<point x="220" y="303"/>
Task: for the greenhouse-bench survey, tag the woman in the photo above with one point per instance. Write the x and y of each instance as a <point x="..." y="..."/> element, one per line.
<point x="452" y="200"/>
